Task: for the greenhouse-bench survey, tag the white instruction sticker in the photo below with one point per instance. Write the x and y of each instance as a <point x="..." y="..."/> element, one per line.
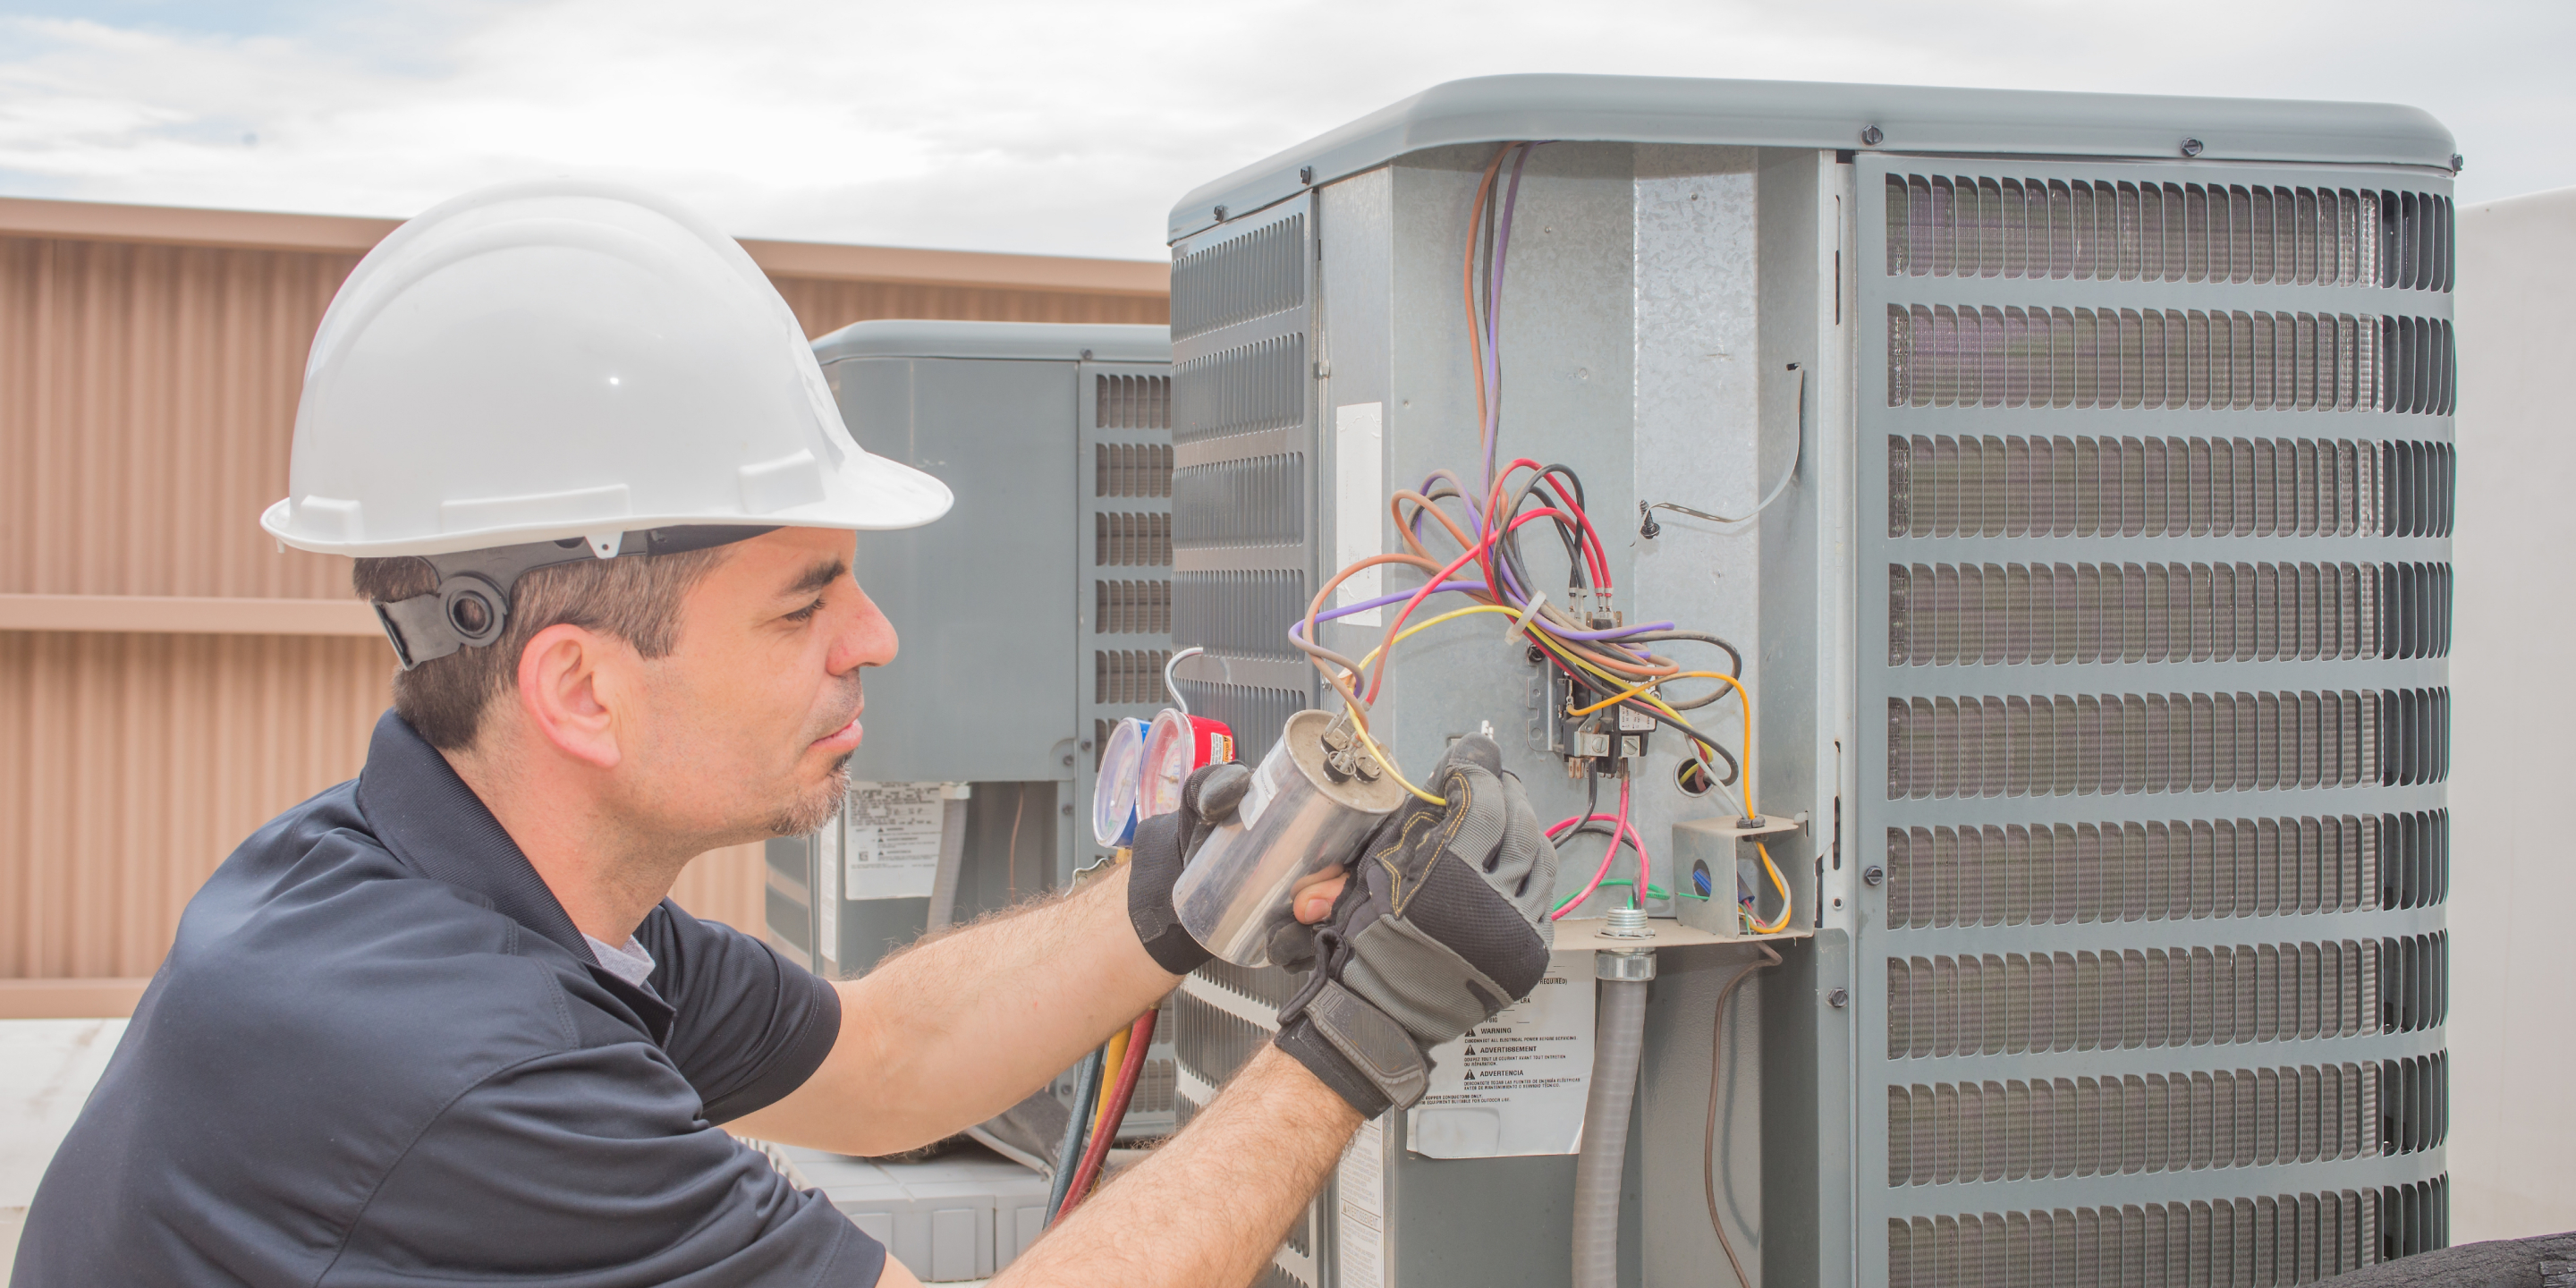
<point x="892" y="850"/>
<point x="1360" y="1183"/>
<point x="1515" y="1085"/>
<point x="1359" y="502"/>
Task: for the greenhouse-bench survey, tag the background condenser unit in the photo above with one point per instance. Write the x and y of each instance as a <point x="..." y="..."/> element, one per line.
<point x="2096" y="640"/>
<point x="1033" y="615"/>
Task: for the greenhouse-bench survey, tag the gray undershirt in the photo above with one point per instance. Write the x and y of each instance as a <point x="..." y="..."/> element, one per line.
<point x="630" y="963"/>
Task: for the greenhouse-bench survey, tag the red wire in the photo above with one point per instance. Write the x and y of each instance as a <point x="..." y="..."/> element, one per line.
<point x="1140" y="1035"/>
<point x="1593" y="553"/>
<point x="1621" y="826"/>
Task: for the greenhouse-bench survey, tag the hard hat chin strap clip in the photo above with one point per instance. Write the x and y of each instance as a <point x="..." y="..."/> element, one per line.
<point x="470" y="605"/>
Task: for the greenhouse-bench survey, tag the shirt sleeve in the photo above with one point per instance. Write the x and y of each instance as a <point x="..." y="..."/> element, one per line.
<point x="751" y="1026"/>
<point x="590" y="1168"/>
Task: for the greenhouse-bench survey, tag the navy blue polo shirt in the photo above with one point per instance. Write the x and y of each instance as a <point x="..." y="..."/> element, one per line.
<point x="380" y="1053"/>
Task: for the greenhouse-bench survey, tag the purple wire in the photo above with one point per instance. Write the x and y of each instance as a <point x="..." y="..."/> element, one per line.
<point x="1298" y="628"/>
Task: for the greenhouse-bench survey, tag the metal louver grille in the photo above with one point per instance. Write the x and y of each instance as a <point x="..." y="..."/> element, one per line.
<point x="1236" y="280"/>
<point x="1131" y="540"/>
<point x="1255" y="713"/>
<point x="1261" y="385"/>
<point x="2009" y="356"/>
<point x="1133" y="402"/>
<point x="2268" y="1239"/>
<point x="1248" y="501"/>
<point x="2112" y="744"/>
<point x="1244" y="613"/>
<point x="2009" y="614"/>
<point x="2110" y="973"/>
<point x="2018" y="1130"/>
<point x="2101" y="230"/>
<point x="1131" y="607"/>
<point x="2043" y="874"/>
<point x="1944" y="486"/>
<point x="1124" y="676"/>
<point x="2011" y="1003"/>
<point x="1132" y="469"/>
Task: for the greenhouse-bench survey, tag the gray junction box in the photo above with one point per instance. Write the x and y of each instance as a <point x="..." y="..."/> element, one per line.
<point x="2099" y="637"/>
<point x="1030" y="617"/>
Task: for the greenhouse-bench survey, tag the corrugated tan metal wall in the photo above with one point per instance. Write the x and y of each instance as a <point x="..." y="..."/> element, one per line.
<point x="147" y="397"/>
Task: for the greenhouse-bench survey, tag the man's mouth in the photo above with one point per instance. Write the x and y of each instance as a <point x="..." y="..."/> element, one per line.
<point x="841" y="740"/>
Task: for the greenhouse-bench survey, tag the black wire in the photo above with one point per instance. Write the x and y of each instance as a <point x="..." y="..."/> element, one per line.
<point x="1735" y="768"/>
<point x="1735" y="660"/>
<point x="1591" y="799"/>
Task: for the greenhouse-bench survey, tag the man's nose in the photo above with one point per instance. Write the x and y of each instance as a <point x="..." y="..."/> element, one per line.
<point x="866" y="638"/>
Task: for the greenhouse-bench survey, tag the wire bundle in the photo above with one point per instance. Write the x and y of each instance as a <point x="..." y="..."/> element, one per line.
<point x="1099" y="1108"/>
<point x="1577" y="636"/>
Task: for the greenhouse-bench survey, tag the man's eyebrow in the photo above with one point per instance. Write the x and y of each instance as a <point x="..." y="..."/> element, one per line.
<point x="817" y="577"/>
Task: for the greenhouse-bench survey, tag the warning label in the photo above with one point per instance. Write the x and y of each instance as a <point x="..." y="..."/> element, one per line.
<point x="1516" y="1084"/>
<point x="892" y="851"/>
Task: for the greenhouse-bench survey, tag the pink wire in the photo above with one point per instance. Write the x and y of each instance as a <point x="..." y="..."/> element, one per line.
<point x="1619" y="826"/>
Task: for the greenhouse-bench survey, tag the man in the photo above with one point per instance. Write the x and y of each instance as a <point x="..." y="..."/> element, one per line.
<point x="440" y="1024"/>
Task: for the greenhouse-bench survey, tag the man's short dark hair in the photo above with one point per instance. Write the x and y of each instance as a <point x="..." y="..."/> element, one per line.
<point x="635" y="598"/>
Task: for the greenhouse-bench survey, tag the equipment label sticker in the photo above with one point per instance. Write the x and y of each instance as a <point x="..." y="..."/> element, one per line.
<point x="1359" y="502"/>
<point x="1360" y="1183"/>
<point x="893" y="846"/>
<point x="1515" y="1084"/>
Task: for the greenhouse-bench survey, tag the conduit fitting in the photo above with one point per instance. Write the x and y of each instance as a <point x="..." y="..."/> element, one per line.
<point x="1624" y="965"/>
<point x="1627" y="923"/>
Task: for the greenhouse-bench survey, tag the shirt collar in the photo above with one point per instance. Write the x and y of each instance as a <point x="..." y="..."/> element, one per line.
<point x="438" y="827"/>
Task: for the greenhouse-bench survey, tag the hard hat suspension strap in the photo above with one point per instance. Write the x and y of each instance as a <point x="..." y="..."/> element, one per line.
<point x="470" y="605"/>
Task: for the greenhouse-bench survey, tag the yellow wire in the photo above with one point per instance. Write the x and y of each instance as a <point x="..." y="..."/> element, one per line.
<point x="1362" y="729"/>
<point x="1389" y="761"/>
<point x="1777" y="883"/>
<point x="1644" y="690"/>
<point x="1110" y="1059"/>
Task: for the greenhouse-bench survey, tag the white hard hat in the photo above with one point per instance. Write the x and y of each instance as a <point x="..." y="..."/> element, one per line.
<point x="544" y="361"/>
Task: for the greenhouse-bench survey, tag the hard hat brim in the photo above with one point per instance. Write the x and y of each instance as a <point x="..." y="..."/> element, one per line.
<point x="868" y="493"/>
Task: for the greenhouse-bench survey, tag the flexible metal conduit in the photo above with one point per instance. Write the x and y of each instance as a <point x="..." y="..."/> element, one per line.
<point x="1619" y="1038"/>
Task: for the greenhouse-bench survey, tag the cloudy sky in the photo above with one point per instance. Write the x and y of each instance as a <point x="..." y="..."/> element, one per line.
<point x="1070" y="129"/>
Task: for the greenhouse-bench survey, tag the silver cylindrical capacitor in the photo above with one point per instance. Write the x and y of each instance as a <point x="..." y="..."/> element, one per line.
<point x="1298" y="823"/>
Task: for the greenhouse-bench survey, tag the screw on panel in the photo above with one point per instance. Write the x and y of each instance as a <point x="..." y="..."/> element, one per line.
<point x="1305" y="174"/>
<point x="1069" y="760"/>
<point x="1839" y="998"/>
<point x="1874" y="874"/>
<point x="2191" y="147"/>
<point x="1871" y="136"/>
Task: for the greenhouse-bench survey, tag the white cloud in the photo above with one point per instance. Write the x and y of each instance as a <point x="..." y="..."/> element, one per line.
<point x="1021" y="126"/>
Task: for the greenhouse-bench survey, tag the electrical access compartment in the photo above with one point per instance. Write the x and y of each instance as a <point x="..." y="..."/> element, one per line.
<point x="1031" y="617"/>
<point x="2095" y="646"/>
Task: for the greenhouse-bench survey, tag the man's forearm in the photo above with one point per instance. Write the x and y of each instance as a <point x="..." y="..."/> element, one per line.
<point x="1265" y="1146"/>
<point x="964" y="1024"/>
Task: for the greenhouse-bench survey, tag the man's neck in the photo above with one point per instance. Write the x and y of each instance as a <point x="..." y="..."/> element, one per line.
<point x="606" y="877"/>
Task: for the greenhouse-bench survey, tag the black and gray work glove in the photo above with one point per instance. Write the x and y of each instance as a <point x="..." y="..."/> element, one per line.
<point x="1443" y="924"/>
<point x="1162" y="846"/>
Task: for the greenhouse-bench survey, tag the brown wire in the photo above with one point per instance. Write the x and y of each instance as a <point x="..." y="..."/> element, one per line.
<point x="1467" y="282"/>
<point x="1708" y="1142"/>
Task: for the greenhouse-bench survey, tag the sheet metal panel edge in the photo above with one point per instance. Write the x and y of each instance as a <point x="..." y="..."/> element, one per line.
<point x="1873" y="812"/>
<point x="1661" y="109"/>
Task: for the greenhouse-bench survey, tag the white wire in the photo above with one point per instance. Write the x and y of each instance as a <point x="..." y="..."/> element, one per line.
<point x="1776" y="489"/>
<point x="1175" y="690"/>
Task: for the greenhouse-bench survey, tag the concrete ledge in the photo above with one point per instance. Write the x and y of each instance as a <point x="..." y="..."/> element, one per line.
<point x="187" y="615"/>
<point x="69" y="999"/>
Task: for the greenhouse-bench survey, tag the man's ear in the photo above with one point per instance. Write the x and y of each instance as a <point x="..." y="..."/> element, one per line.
<point x="567" y="699"/>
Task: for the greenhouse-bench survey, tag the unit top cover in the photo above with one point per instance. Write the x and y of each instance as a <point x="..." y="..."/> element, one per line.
<point x="1807" y="114"/>
<point x="1023" y="341"/>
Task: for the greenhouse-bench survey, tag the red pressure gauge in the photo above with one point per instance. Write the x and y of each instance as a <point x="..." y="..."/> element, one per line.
<point x="1176" y="745"/>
